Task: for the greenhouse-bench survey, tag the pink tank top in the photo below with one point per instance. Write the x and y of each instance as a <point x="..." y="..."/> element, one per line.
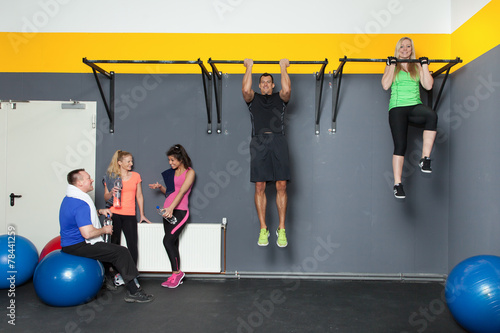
<point x="178" y="181"/>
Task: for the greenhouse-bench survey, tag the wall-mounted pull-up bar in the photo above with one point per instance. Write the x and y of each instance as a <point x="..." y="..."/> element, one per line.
<point x="110" y="108"/>
<point x="218" y="83"/>
<point x="343" y="61"/>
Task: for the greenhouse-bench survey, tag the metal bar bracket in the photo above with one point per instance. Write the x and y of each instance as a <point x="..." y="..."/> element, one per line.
<point x="320" y="78"/>
<point x="110" y="107"/>
<point x="337" y="80"/>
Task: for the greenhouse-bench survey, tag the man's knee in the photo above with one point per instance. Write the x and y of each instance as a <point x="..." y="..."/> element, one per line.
<point x="260" y="187"/>
<point x="281" y="186"/>
<point x="121" y="250"/>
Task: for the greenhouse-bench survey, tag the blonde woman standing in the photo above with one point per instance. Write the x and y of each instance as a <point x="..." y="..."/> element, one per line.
<point x="124" y="216"/>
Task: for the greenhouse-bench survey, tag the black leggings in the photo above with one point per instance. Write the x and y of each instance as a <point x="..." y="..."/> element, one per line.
<point x="128" y="224"/>
<point x="171" y="239"/>
<point x="401" y="117"/>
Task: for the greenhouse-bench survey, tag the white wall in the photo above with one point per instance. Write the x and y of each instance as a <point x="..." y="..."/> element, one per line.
<point x="234" y="16"/>
<point x="462" y="10"/>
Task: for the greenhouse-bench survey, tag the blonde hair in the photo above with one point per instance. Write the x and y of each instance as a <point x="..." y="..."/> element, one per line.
<point x="113" y="168"/>
<point x="412" y="67"/>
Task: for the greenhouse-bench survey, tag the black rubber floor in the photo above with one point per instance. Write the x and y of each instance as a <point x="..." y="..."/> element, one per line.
<point x="245" y="305"/>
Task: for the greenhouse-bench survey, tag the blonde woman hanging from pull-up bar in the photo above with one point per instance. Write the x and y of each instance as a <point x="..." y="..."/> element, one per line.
<point x="405" y="107"/>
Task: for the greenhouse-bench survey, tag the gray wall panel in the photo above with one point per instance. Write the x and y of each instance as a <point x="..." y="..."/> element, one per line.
<point x="342" y="216"/>
<point x="474" y="150"/>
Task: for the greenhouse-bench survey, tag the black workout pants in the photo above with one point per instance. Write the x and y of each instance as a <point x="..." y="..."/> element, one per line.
<point x="117" y="255"/>
<point x="401" y="117"/>
<point x="127" y="223"/>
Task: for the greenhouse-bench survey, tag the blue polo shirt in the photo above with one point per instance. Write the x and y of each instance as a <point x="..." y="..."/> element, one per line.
<point x="73" y="214"/>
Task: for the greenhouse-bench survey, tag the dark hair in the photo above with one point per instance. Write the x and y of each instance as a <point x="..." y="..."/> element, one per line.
<point x="267" y="74"/>
<point x="180" y="154"/>
<point x="74" y="176"/>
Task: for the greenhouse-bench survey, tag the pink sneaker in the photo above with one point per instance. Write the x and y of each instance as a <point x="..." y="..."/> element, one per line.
<point x="168" y="283"/>
<point x="174" y="281"/>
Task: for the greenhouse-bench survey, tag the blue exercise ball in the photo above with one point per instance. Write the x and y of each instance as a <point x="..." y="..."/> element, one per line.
<point x="18" y="260"/>
<point x="63" y="279"/>
<point x="473" y="294"/>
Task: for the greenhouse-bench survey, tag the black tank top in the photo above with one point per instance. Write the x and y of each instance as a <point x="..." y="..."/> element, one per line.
<point x="267" y="113"/>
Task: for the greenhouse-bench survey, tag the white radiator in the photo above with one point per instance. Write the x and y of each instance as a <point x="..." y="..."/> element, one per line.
<point x="199" y="248"/>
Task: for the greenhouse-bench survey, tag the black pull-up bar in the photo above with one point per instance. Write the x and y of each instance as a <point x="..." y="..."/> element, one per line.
<point x="110" y="108"/>
<point x="160" y="62"/>
<point x="453" y="61"/>
<point x="146" y="61"/>
<point x="338" y="75"/>
<point x="267" y="62"/>
<point x="218" y="83"/>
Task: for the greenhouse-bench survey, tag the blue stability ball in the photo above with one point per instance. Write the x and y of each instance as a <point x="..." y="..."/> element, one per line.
<point x="18" y="260"/>
<point x="63" y="279"/>
<point x="473" y="294"/>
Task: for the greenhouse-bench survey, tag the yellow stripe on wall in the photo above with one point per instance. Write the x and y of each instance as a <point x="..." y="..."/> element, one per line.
<point x="479" y="34"/>
<point x="63" y="52"/>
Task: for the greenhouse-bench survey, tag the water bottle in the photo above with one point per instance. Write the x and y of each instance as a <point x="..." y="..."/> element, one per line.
<point x="117" y="198"/>
<point x="107" y="221"/>
<point x="161" y="211"/>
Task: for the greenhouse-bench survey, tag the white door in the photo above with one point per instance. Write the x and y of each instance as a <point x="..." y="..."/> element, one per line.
<point x="42" y="142"/>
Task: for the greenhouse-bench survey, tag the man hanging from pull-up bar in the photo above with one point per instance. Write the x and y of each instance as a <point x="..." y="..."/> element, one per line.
<point x="268" y="147"/>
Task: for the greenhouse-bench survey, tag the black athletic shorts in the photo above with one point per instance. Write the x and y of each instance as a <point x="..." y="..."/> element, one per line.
<point x="269" y="158"/>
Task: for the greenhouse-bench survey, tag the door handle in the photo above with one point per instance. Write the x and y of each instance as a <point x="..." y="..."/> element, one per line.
<point x="13" y="198"/>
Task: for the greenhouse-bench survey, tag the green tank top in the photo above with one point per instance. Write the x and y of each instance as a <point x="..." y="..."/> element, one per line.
<point x="404" y="91"/>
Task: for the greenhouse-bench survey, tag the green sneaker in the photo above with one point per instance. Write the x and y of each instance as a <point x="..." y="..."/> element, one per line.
<point x="281" y="241"/>
<point x="263" y="237"/>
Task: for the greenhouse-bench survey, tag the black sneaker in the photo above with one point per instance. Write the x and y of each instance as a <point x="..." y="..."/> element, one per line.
<point x="425" y="165"/>
<point x="399" y="192"/>
<point x="139" y="297"/>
